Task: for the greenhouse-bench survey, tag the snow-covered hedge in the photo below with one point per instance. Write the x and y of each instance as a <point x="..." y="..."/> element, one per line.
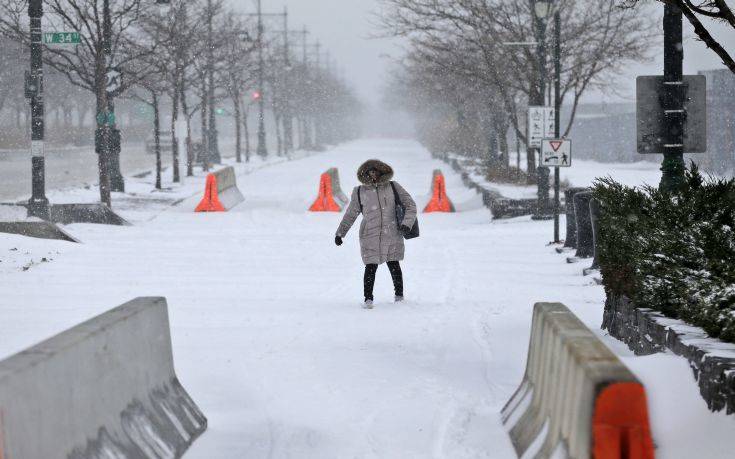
<point x="674" y="253"/>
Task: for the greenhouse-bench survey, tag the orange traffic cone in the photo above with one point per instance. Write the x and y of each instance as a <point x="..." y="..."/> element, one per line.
<point x="439" y="202"/>
<point x="325" y="200"/>
<point x="620" y="424"/>
<point x="210" y="202"/>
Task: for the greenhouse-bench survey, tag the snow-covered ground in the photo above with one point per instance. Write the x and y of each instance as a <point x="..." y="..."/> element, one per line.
<point x="270" y="339"/>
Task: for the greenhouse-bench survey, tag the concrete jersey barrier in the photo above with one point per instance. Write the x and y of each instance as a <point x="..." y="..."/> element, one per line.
<point x="337" y="192"/>
<point x="229" y="193"/>
<point x="104" y="388"/>
<point x="576" y="394"/>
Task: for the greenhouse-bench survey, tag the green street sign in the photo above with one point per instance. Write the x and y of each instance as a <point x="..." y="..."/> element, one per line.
<point x="61" y="38"/>
<point x="106" y="118"/>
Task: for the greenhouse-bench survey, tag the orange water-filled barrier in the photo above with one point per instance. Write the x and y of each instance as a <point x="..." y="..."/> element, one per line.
<point x="325" y="200"/>
<point x="439" y="202"/>
<point x="210" y="202"/>
<point x="620" y="424"/>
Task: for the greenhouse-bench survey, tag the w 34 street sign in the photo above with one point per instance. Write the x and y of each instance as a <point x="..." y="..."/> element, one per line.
<point x="556" y="153"/>
<point x="61" y="38"/>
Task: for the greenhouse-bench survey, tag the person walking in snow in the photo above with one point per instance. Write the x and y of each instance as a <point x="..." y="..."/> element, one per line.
<point x="381" y="234"/>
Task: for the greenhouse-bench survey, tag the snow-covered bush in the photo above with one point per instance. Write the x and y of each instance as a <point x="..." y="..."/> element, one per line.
<point x="674" y="253"/>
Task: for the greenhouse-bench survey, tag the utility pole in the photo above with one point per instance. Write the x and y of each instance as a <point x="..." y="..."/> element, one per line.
<point x="262" y="147"/>
<point x="541" y="10"/>
<point x="287" y="91"/>
<point x="317" y="76"/>
<point x="212" y="143"/>
<point x="673" y="92"/>
<point x="305" y="134"/>
<point x="38" y="206"/>
<point x="557" y="115"/>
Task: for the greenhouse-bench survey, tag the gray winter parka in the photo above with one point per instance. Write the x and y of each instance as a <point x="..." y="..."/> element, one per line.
<point x="380" y="237"/>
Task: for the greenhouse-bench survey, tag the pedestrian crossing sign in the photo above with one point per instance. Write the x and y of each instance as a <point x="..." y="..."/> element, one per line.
<point x="556" y="153"/>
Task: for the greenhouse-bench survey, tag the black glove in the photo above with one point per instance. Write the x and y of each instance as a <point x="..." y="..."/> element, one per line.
<point x="405" y="229"/>
<point x="337" y="240"/>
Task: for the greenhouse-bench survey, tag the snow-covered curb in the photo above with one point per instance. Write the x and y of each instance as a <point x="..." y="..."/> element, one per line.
<point x="500" y="206"/>
<point x="646" y="331"/>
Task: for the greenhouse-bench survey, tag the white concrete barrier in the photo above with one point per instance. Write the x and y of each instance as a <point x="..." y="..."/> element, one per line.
<point x="227" y="190"/>
<point x="337" y="192"/>
<point x="103" y="389"/>
<point x="577" y="399"/>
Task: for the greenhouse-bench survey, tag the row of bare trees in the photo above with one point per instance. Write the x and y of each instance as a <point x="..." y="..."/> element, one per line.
<point x="194" y="59"/>
<point x="472" y="67"/>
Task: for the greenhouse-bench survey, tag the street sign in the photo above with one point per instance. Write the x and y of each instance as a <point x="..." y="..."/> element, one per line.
<point x="651" y="117"/>
<point x="556" y="153"/>
<point x="114" y="80"/>
<point x="61" y="38"/>
<point x="540" y="125"/>
<point x="106" y="118"/>
<point x="37" y="148"/>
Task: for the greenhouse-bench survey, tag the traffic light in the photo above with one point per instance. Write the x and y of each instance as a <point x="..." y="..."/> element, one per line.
<point x="219" y="111"/>
<point x="256" y="95"/>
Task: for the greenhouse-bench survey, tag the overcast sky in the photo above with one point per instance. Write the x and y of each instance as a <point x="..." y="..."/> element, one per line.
<point x="345" y="28"/>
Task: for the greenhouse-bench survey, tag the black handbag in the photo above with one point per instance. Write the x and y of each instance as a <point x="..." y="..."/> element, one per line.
<point x="401" y="212"/>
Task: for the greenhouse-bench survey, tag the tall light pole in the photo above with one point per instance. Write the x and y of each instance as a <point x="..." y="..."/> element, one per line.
<point x="287" y="115"/>
<point x="672" y="167"/>
<point x="262" y="147"/>
<point x="212" y="144"/>
<point x="541" y="10"/>
<point x="112" y="145"/>
<point x="38" y="204"/>
<point x="557" y="115"/>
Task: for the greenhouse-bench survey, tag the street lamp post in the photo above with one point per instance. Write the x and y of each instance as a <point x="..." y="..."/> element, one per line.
<point x="672" y="167"/>
<point x="287" y="115"/>
<point x="557" y="115"/>
<point x="213" y="154"/>
<point x="262" y="147"/>
<point x="38" y="206"/>
<point x="541" y="10"/>
<point x="112" y="145"/>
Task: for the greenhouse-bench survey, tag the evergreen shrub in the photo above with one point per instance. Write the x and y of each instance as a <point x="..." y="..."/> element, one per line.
<point x="672" y="252"/>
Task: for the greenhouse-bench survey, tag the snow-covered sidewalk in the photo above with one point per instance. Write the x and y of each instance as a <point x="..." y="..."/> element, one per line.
<point x="270" y="340"/>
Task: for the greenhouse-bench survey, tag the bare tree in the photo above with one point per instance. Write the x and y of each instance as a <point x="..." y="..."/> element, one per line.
<point x="86" y="65"/>
<point x="698" y="13"/>
<point x="598" y="39"/>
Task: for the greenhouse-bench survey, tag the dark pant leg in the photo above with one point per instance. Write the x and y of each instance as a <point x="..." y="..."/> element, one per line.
<point x="397" y="275"/>
<point x="369" y="280"/>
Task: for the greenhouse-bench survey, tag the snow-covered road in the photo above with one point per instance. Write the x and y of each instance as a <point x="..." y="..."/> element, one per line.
<point x="269" y="336"/>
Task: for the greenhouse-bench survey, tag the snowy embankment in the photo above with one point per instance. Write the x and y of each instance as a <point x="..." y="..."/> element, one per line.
<point x="270" y="340"/>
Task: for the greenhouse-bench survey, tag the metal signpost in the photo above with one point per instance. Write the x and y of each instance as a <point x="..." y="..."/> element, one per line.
<point x="556" y="153"/>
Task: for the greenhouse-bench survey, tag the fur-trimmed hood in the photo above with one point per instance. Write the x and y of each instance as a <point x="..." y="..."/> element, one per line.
<point x="385" y="171"/>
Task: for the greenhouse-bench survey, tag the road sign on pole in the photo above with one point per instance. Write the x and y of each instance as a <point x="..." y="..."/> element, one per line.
<point x="653" y="119"/>
<point x="540" y="125"/>
<point x="61" y="38"/>
<point x="114" y="80"/>
<point x="556" y="153"/>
